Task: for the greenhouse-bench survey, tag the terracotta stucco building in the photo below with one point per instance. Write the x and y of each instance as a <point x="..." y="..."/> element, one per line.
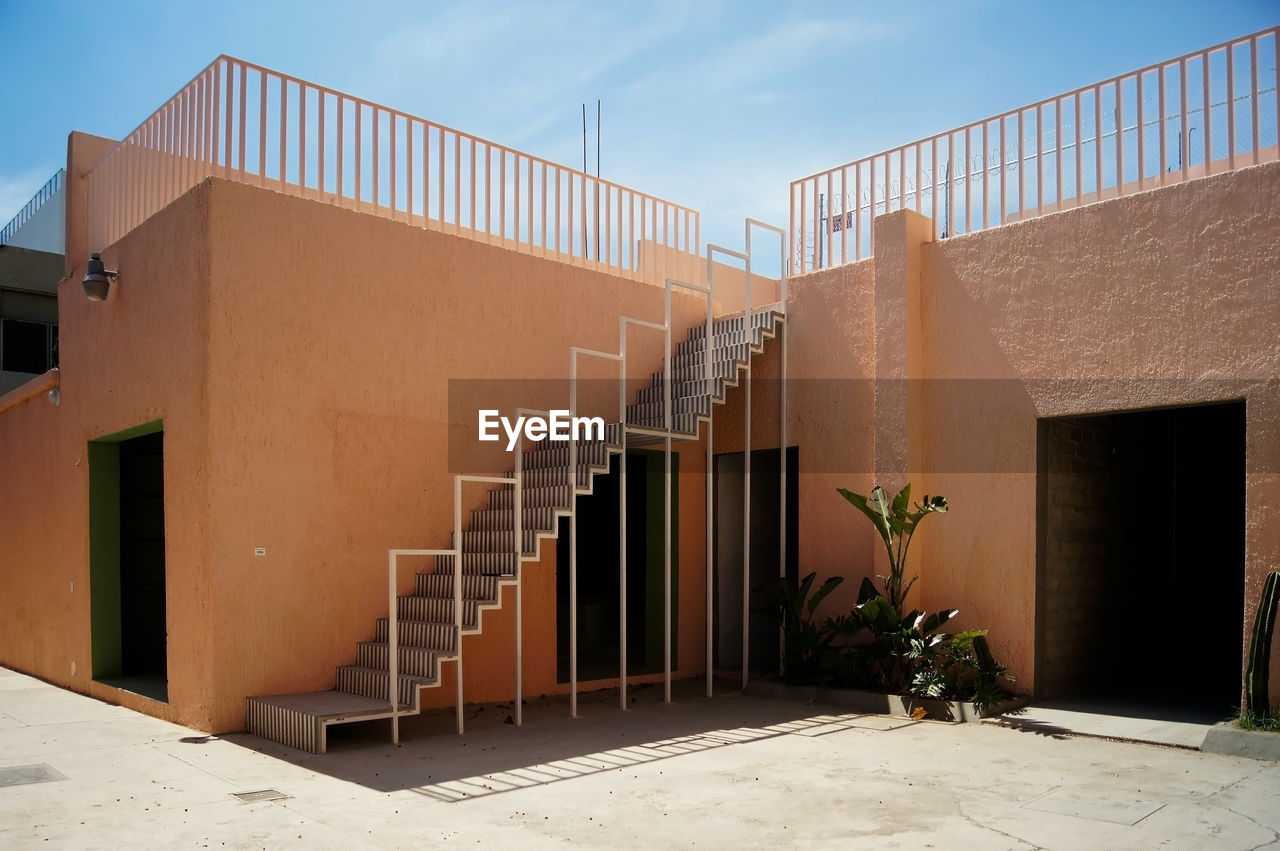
<point x="281" y="385"/>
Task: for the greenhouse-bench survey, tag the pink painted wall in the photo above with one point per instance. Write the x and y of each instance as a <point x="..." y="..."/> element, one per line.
<point x="1020" y="322"/>
<point x="140" y="356"/>
<point x="333" y="338"/>
<point x="299" y="355"/>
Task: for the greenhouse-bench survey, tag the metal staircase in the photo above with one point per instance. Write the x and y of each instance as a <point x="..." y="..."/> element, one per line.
<point x="429" y="622"/>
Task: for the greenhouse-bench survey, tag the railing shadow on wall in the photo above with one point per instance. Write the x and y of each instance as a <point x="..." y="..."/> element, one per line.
<point x="246" y="123"/>
<point x="1203" y="113"/>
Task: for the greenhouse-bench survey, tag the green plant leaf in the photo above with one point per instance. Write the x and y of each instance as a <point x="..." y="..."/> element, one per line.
<point x="867" y="590"/>
<point x="868" y="506"/>
<point x="830" y="585"/>
<point x="929" y="625"/>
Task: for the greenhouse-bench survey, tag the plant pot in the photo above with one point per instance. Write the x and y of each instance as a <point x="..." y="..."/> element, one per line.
<point x="878" y="703"/>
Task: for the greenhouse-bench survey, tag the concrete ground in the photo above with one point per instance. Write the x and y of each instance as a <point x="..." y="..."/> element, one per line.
<point x="731" y="771"/>
<point x="1115" y="720"/>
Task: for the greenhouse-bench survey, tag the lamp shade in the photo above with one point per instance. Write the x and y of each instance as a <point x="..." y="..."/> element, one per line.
<point x="97" y="280"/>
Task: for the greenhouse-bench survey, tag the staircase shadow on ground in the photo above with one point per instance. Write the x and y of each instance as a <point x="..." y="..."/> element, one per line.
<point x="495" y="756"/>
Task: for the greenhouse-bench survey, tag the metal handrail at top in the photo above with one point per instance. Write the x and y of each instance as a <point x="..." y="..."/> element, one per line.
<point x="43" y="194"/>
<point x="246" y="123"/>
<point x="1210" y="111"/>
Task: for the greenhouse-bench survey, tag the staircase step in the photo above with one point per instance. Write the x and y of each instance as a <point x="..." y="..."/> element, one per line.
<point x="681" y="389"/>
<point x="414" y="661"/>
<point x="370" y="682"/>
<point x="546" y="477"/>
<point x="762" y="319"/>
<point x="482" y="588"/>
<point x="481" y="564"/>
<point x="654" y="410"/>
<point x="724" y="340"/>
<point x="539" y="519"/>
<point x="684" y="424"/>
<point x="498" y="541"/>
<point x="556" y="454"/>
<point x="726" y="370"/>
<point x="437" y="609"/>
<point x="425" y="635"/>
<point x="298" y="720"/>
<point x="728" y="354"/>
<point x="541" y="497"/>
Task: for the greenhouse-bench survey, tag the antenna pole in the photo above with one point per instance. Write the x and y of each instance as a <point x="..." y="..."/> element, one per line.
<point x="597" y="138"/>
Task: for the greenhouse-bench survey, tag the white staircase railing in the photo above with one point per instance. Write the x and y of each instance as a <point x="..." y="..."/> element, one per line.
<point x="667" y="433"/>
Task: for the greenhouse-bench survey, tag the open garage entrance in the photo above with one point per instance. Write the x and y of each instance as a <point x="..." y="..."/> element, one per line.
<point x="1140" y="591"/>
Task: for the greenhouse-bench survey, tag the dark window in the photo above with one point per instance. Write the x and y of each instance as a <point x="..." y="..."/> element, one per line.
<point x="25" y="347"/>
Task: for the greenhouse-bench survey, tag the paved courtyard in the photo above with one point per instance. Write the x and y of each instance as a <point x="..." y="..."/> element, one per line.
<point x="731" y="772"/>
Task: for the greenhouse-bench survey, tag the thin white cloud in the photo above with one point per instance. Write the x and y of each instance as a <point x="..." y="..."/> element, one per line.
<point x="760" y="55"/>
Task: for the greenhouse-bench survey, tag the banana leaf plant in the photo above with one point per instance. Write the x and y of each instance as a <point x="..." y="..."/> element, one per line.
<point x="896" y="521"/>
<point x="900" y="646"/>
<point x="960" y="668"/>
<point x="808" y="657"/>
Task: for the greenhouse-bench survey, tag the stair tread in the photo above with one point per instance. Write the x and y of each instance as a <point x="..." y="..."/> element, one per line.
<point x="407" y="624"/>
<point x="382" y="672"/>
<point x="327" y="705"/>
<point x="403" y="646"/>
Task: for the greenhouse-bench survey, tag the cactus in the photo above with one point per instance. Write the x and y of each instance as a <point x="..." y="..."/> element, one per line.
<point x="1256" y="679"/>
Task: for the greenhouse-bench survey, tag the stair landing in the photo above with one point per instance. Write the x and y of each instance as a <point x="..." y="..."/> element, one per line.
<point x="302" y="720"/>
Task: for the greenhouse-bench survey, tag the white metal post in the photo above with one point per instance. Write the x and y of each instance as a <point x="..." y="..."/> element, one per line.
<point x="457" y="596"/>
<point x="393" y="649"/>
<point x="782" y="405"/>
<point x="622" y="518"/>
<point x="709" y="488"/>
<point x="746" y="531"/>
<point x="518" y="500"/>
<point x="669" y="423"/>
<point x="746" y="469"/>
<point x="573" y="530"/>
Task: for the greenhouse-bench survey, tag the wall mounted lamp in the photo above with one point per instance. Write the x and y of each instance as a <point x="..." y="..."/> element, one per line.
<point x="55" y="395"/>
<point x="98" y="278"/>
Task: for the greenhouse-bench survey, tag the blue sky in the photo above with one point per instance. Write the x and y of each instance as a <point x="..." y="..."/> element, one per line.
<point x="716" y="105"/>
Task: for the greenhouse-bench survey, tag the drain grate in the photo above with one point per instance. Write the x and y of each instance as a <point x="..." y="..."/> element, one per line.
<point x="20" y="775"/>
<point x="261" y="795"/>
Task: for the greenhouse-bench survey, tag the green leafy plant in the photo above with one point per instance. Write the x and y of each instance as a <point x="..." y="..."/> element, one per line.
<point x="1257" y="674"/>
<point x="1261" y="723"/>
<point x="908" y="652"/>
<point x="808" y="655"/>
<point x="896" y="521"/>
<point x="961" y="667"/>
<point x="899" y="646"/>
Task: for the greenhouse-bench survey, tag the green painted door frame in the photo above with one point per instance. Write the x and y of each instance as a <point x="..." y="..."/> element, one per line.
<point x="107" y="652"/>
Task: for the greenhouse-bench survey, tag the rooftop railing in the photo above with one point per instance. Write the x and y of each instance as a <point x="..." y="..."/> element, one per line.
<point x="1207" y="112"/>
<point x="37" y="201"/>
<point x="249" y="124"/>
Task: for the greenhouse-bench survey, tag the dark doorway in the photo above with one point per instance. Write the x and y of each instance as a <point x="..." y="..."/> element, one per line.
<point x="765" y="620"/>
<point x="598" y="579"/>
<point x="1141" y="586"/>
<point x="127" y="564"/>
